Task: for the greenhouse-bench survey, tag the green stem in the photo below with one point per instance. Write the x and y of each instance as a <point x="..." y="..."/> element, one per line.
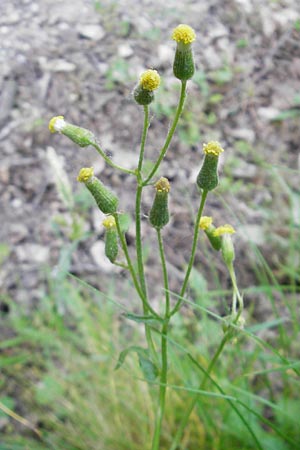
<point x="165" y="272"/>
<point x="138" y="201"/>
<point x="144" y="136"/>
<point x="193" y="253"/>
<point x="162" y="388"/>
<point x="236" y="292"/>
<point x="170" y="134"/>
<point x="138" y="233"/>
<point x="164" y="351"/>
<point x="131" y="269"/>
<point x="109" y="161"/>
<point x="194" y="401"/>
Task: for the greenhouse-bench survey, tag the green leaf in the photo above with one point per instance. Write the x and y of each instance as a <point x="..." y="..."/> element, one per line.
<point x="297" y="25"/>
<point x="270" y="324"/>
<point x="143" y="319"/>
<point x="125" y="221"/>
<point x="6" y="361"/>
<point x="49" y="391"/>
<point x="9" y="403"/>
<point x="214" y="99"/>
<point x="222" y="76"/>
<point x="288" y="114"/>
<point x="124" y="353"/>
<point x="4" y="252"/>
<point x="149" y="369"/>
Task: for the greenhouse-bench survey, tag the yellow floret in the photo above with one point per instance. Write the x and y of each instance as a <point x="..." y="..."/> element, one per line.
<point x="184" y="33"/>
<point x="56" y="124"/>
<point x="150" y="80"/>
<point x="162" y="185"/>
<point x="85" y="174"/>
<point x="213" y="148"/>
<point x="224" y="229"/>
<point x="109" y="222"/>
<point x="205" y="222"/>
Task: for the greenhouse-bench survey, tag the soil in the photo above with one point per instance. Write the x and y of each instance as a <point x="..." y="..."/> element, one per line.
<point x="81" y="59"/>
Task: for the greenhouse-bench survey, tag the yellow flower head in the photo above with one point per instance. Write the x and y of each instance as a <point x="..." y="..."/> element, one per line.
<point x="109" y="222"/>
<point x="85" y="174"/>
<point x="57" y="124"/>
<point x="150" y="80"/>
<point x="213" y="148"/>
<point x="162" y="185"/>
<point x="224" y="229"/>
<point x="184" y="34"/>
<point x="205" y="222"/>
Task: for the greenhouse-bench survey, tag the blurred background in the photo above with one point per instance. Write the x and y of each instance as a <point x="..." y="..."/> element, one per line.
<point x="81" y="59"/>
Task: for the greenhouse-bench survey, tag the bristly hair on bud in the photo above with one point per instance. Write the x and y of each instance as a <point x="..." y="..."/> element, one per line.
<point x="106" y="201"/>
<point x="208" y="176"/>
<point x="79" y="135"/>
<point x="184" y="33"/>
<point x="213" y="148"/>
<point x="205" y="222"/>
<point x="159" y="214"/>
<point x="85" y="174"/>
<point x="109" y="222"/>
<point x="224" y="229"/>
<point x="183" y="66"/>
<point x="150" y="80"/>
<point x="57" y="124"/>
<point x="111" y="238"/>
<point x="162" y="185"/>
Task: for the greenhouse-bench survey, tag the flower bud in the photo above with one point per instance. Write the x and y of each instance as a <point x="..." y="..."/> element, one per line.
<point x="232" y="326"/>
<point x="226" y="243"/>
<point x="159" y="214"/>
<point x="107" y="202"/>
<point x="111" y="238"/>
<point x="183" y="66"/>
<point x="80" y="136"/>
<point x="227" y="250"/>
<point x="149" y="81"/>
<point x="208" y="176"/>
<point x="206" y="225"/>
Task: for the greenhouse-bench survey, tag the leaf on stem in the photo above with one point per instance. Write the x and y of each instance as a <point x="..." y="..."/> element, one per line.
<point x="149" y="369"/>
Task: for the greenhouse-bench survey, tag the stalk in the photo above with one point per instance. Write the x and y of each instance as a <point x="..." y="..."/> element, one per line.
<point x="170" y="134"/>
<point x="194" y="401"/>
<point x="193" y="253"/>
<point x="110" y="162"/>
<point x="138" y="232"/>
<point x="164" y="352"/>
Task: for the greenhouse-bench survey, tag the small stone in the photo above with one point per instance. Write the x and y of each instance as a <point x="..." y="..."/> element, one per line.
<point x="32" y="252"/>
<point x="245" y="134"/>
<point x="17" y="232"/>
<point x="252" y="233"/>
<point x="91" y="31"/>
<point x="125" y="51"/>
<point x="165" y="55"/>
<point x="57" y="65"/>
<point x="244" y="170"/>
<point x="98" y="254"/>
<point x="268" y="113"/>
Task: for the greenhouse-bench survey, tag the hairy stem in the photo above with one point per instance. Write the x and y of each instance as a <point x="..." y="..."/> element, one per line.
<point x="138" y="232"/>
<point x="193" y="253"/>
<point x="110" y="162"/>
<point x="194" y="401"/>
<point x="164" y="351"/>
<point x="170" y="134"/>
<point x="131" y="268"/>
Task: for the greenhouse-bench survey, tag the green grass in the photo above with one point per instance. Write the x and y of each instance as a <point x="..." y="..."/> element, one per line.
<point x="58" y="373"/>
